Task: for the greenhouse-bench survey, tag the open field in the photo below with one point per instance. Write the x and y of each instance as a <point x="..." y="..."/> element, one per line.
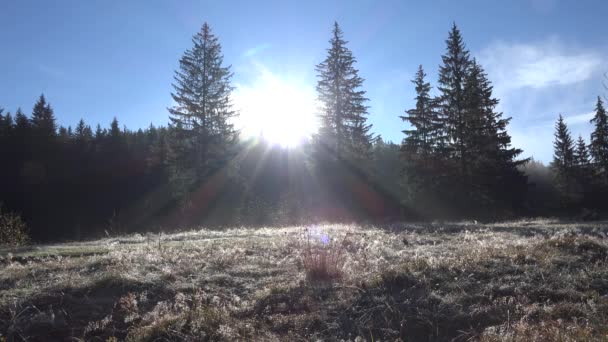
<point x="516" y="281"/>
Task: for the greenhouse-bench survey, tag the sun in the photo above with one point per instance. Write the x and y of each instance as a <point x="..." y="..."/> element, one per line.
<point x="279" y="110"/>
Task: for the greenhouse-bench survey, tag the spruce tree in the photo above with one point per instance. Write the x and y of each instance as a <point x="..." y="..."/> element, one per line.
<point x="6" y="124"/>
<point x="202" y="119"/>
<point x="83" y="132"/>
<point x="344" y="130"/>
<point x="420" y="149"/>
<point x="115" y="132"/>
<point x="493" y="163"/>
<point x="599" y="139"/>
<point x="563" y="159"/>
<point x="425" y="123"/>
<point x="43" y="119"/>
<point x="563" y="146"/>
<point x="99" y="132"/>
<point x="452" y="77"/>
<point x="63" y="134"/>
<point x="581" y="154"/>
<point x="22" y="124"/>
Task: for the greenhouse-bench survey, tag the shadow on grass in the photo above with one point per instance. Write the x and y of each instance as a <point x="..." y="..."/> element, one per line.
<point x="65" y="312"/>
<point x="455" y="302"/>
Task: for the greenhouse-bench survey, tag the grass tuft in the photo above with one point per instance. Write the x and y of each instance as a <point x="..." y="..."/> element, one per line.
<point x="323" y="256"/>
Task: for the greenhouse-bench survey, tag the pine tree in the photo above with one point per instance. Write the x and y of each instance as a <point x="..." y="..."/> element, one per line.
<point x="43" y="119"/>
<point x="452" y="77"/>
<point x="201" y="121"/>
<point x="599" y="138"/>
<point x="344" y="130"/>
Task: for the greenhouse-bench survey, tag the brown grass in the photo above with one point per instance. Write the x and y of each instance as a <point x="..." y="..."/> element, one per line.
<point x="533" y="280"/>
<point x="323" y="255"/>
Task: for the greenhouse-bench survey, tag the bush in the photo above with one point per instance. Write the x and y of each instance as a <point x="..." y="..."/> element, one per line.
<point x="13" y="230"/>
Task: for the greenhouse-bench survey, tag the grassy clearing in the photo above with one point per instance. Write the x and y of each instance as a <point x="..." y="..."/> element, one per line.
<point x="517" y="281"/>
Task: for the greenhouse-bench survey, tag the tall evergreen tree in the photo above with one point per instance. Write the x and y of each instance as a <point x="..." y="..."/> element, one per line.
<point x="563" y="160"/>
<point x="599" y="138"/>
<point x="344" y="129"/>
<point x="452" y="77"/>
<point x="563" y="154"/>
<point x="422" y="146"/>
<point x="422" y="138"/>
<point x="581" y="154"/>
<point x="492" y="161"/>
<point x="202" y="119"/>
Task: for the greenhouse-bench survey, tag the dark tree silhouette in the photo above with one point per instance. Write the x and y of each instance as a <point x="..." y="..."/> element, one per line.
<point x="203" y="133"/>
<point x="344" y="129"/>
<point x="599" y="139"/>
<point x="452" y="78"/>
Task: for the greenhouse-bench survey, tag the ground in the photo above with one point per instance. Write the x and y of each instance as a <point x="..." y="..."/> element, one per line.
<point x="517" y="281"/>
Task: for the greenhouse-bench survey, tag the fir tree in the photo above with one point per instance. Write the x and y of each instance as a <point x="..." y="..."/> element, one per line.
<point x="599" y="138"/>
<point x="201" y="120"/>
<point x="344" y="129"/>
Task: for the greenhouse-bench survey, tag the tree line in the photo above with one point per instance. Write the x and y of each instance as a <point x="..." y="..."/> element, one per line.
<point x="455" y="160"/>
<point x="581" y="169"/>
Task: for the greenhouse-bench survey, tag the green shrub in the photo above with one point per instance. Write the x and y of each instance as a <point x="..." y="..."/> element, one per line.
<point x="13" y="230"/>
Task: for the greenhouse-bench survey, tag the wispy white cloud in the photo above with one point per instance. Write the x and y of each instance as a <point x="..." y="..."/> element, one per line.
<point x="538" y="65"/>
<point x="579" y="118"/>
<point x="536" y="81"/>
<point x="256" y="50"/>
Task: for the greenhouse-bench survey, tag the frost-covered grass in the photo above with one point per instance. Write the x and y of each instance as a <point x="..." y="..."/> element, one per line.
<point x="518" y="281"/>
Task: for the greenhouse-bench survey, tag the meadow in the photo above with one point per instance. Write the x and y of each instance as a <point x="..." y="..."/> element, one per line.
<point x="525" y="280"/>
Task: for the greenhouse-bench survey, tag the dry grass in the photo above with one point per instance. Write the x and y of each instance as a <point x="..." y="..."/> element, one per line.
<point x="534" y="280"/>
<point x="323" y="255"/>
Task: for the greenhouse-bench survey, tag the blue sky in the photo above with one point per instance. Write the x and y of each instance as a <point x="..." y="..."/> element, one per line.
<point x="100" y="59"/>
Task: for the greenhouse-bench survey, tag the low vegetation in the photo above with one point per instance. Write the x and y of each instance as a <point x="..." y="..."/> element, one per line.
<point x="13" y="231"/>
<point x="532" y="280"/>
